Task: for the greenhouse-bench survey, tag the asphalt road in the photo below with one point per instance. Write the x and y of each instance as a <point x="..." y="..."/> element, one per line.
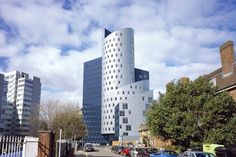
<point x="99" y="152"/>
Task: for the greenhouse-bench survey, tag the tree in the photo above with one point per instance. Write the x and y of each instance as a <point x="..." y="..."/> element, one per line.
<point x="191" y="113"/>
<point x="48" y="111"/>
<point x="56" y="115"/>
<point x="70" y="121"/>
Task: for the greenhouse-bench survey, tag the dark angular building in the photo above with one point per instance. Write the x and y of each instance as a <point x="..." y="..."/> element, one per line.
<point x="141" y="75"/>
<point x="2" y="102"/>
<point x="92" y="84"/>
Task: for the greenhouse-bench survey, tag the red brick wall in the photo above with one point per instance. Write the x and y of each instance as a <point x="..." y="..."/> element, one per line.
<point x="46" y="144"/>
<point x="233" y="94"/>
<point x="227" y="56"/>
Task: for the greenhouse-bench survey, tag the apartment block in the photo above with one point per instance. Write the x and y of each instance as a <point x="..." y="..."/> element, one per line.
<point x="3" y="101"/>
<point x="22" y="97"/>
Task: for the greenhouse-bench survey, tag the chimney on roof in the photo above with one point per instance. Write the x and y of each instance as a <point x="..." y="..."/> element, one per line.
<point x="184" y="80"/>
<point x="227" y="57"/>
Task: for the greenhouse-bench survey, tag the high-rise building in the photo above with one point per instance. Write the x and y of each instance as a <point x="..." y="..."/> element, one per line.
<point x="92" y="84"/>
<point x="125" y="92"/>
<point x="3" y="100"/>
<point x="23" y="96"/>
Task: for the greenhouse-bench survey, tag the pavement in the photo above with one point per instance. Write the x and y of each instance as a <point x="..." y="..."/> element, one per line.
<point x="79" y="154"/>
<point x="99" y="152"/>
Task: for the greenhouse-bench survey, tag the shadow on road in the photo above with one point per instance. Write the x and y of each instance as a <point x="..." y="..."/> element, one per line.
<point x="95" y="150"/>
<point x="105" y="156"/>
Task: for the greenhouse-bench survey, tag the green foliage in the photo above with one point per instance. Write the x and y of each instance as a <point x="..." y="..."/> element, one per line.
<point x="191" y="113"/>
<point x="56" y="115"/>
<point x="70" y="121"/>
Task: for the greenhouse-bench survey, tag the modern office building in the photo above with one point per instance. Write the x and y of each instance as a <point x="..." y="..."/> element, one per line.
<point x="23" y="96"/>
<point x="3" y="100"/>
<point x="125" y="92"/>
<point x="92" y="84"/>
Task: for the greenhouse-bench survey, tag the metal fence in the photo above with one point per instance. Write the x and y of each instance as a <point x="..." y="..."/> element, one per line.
<point x="11" y="146"/>
<point x="18" y="146"/>
<point x="67" y="148"/>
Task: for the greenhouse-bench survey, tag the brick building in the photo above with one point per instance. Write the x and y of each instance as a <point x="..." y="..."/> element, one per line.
<point x="154" y="141"/>
<point x="225" y="77"/>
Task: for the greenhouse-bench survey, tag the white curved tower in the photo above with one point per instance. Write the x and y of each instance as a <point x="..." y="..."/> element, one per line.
<point x="122" y="85"/>
<point x="118" y="59"/>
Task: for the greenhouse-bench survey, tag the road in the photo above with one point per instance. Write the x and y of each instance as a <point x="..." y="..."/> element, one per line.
<point x="99" y="152"/>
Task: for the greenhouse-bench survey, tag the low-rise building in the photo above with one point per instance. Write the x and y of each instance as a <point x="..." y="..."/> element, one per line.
<point x="225" y="76"/>
<point x="154" y="141"/>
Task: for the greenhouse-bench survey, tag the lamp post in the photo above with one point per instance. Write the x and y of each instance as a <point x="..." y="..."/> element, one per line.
<point x="59" y="154"/>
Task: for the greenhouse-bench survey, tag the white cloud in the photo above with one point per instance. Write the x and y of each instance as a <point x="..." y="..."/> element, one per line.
<point x="43" y="24"/>
<point x="73" y="96"/>
<point x="60" y="74"/>
<point x="173" y="38"/>
<point x="8" y="49"/>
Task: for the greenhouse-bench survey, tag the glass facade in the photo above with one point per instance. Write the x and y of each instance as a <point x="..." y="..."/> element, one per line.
<point x="92" y="85"/>
<point x="1" y="100"/>
<point x="117" y="122"/>
<point x="141" y="75"/>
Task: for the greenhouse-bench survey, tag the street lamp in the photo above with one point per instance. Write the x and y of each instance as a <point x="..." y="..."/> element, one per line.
<point x="59" y="153"/>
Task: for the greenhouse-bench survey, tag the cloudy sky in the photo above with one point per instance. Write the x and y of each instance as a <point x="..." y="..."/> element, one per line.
<point x="52" y="39"/>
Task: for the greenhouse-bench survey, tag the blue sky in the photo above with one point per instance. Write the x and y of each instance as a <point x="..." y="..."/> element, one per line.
<point x="52" y="39"/>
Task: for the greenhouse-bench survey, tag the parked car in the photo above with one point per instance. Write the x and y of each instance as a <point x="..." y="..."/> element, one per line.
<point x="117" y="149"/>
<point x="225" y="152"/>
<point x="190" y="153"/>
<point x="136" y="151"/>
<point x="146" y="151"/>
<point x="141" y="151"/>
<point x="113" y="149"/>
<point x="164" y="153"/>
<point x="88" y="147"/>
<point x="126" y="151"/>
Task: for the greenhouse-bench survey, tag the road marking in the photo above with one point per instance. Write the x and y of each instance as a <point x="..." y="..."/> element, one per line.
<point x="86" y="154"/>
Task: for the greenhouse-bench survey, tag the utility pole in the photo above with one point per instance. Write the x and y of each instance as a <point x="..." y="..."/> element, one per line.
<point x="59" y="154"/>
